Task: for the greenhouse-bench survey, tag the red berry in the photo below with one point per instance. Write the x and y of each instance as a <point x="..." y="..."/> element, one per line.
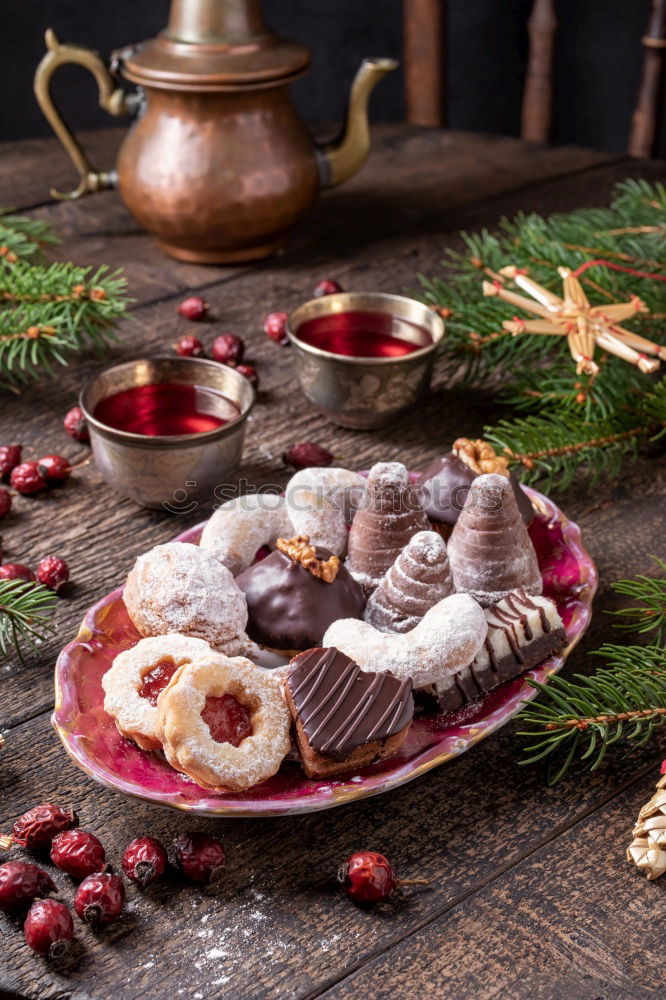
<point x="200" y="857"/>
<point x="10" y="457"/>
<point x="189" y="347"/>
<point x="78" y="853"/>
<point x="368" y="877"/>
<point x="53" y="572"/>
<point x="76" y="425"/>
<point x="275" y="327"/>
<point x="38" y="827"/>
<point x="5" y="502"/>
<point x="194" y="308"/>
<point x="20" y="883"/>
<point x="249" y="372"/>
<point x="326" y="287"/>
<point x="144" y="860"/>
<point x="100" y="898"/>
<point x="49" y="928"/>
<point x="16" y="571"/>
<point x="54" y="468"/>
<point x="307" y="455"/>
<point x="228" y="349"/>
<point x="27" y="478"/>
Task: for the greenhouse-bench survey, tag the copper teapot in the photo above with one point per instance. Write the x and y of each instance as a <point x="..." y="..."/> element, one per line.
<point x="217" y="165"/>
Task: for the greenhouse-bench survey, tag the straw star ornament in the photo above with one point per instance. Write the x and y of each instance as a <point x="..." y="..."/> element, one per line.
<point x="586" y="327"/>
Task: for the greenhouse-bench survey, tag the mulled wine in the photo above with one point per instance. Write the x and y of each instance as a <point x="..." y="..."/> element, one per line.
<point x="166" y="409"/>
<point x="364" y="334"/>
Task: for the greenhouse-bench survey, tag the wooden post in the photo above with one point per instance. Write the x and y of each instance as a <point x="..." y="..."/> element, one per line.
<point x="538" y="92"/>
<point x="424" y="26"/>
<point x="644" y="120"/>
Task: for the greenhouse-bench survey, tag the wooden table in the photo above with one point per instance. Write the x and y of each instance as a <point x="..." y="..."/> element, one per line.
<point x="530" y="894"/>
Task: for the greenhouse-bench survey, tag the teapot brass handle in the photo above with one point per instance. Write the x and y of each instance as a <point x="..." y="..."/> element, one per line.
<point x="113" y="99"/>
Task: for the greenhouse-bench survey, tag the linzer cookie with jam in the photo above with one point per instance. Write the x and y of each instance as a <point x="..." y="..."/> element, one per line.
<point x="391" y="515"/>
<point x="295" y="593"/>
<point x="523" y="631"/>
<point x="345" y="718"/>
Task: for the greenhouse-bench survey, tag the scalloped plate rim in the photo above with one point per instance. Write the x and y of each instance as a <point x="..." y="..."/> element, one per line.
<point x="346" y="791"/>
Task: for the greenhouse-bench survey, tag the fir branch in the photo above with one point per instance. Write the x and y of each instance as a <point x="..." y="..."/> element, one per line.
<point x="583" y="717"/>
<point x="52" y="312"/>
<point x="650" y="615"/>
<point x="24" y="239"/>
<point x="25" y="613"/>
<point x="551" y="449"/>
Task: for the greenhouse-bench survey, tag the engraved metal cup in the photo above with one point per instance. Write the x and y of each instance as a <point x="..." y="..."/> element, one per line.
<point x="168" y="472"/>
<point x="365" y="393"/>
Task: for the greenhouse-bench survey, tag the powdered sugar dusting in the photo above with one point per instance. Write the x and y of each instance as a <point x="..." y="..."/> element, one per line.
<point x="318" y="501"/>
<point x="179" y="587"/>
<point x="239" y="528"/>
<point x="490" y="550"/>
<point x="188" y="745"/>
<point x="448" y="637"/>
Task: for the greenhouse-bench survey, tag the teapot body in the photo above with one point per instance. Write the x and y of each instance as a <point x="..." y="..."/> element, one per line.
<point x="217" y="176"/>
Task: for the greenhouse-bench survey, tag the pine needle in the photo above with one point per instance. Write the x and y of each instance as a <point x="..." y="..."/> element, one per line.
<point x="25" y="615"/>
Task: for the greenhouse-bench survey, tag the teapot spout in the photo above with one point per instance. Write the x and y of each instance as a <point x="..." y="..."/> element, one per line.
<point x="342" y="159"/>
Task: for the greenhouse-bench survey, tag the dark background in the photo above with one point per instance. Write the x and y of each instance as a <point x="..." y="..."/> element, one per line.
<point x="598" y="62"/>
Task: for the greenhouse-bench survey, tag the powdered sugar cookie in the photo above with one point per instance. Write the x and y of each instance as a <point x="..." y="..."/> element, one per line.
<point x="230" y="699"/>
<point x="446" y="639"/>
<point x="240" y="527"/>
<point x="320" y="503"/>
<point x="137" y="677"/>
<point x="179" y="587"/>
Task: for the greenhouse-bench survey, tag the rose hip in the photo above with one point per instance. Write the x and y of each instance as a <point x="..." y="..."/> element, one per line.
<point x="27" y="478"/>
<point x="36" y="828"/>
<point x="10" y="457"/>
<point x="54" y="468"/>
<point x="76" y="425"/>
<point x="193" y="308"/>
<point x="53" y="572"/>
<point x="49" y="928"/>
<point x="16" y="571"/>
<point x="200" y="857"/>
<point x="20" y="883"/>
<point x="100" y="898"/>
<point x="189" y="347"/>
<point x="78" y="853"/>
<point x="275" y="327"/>
<point x="369" y="877"/>
<point x="326" y="287"/>
<point x="307" y="455"/>
<point x="144" y="860"/>
<point x="250" y="373"/>
<point x="228" y="349"/>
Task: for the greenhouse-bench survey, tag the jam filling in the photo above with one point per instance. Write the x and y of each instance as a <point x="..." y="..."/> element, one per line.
<point x="158" y="678"/>
<point x="227" y="720"/>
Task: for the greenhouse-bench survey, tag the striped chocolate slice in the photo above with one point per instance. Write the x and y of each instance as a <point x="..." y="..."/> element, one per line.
<point x="341" y="707"/>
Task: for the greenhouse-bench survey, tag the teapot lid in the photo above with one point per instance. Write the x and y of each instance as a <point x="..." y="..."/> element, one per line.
<point x="213" y="45"/>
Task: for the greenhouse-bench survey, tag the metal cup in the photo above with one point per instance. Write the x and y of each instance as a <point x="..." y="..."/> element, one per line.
<point x="364" y="393"/>
<point x="170" y="472"/>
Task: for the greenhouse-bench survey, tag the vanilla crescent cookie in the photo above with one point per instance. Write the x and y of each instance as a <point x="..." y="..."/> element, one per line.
<point x="187" y="741"/>
<point x="179" y="587"/>
<point x="320" y="503"/>
<point x="447" y="638"/>
<point x="240" y="527"/>
<point x="137" y="676"/>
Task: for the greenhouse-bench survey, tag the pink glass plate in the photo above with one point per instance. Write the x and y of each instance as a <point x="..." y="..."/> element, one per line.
<point x="91" y="739"/>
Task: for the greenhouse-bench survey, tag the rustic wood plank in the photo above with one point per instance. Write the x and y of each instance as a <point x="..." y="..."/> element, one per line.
<point x="574" y="920"/>
<point x="461" y="825"/>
